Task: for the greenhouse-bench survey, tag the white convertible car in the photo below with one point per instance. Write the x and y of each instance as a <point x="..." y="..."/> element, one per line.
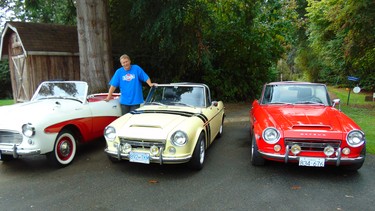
<point x="58" y="117"/>
<point x="176" y="124"/>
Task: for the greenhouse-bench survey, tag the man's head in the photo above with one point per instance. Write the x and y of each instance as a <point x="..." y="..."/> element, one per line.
<point x="125" y="61"/>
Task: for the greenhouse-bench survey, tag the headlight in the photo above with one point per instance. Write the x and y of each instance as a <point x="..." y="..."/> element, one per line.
<point x="271" y="135"/>
<point x="110" y="133"/>
<point x="355" y="138"/>
<point x="28" y="130"/>
<point x="179" y="138"/>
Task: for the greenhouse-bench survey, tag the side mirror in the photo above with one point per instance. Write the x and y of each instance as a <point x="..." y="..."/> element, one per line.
<point x="214" y="103"/>
<point x="336" y="102"/>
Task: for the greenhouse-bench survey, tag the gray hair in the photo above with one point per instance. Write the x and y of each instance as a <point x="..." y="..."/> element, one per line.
<point x="125" y="56"/>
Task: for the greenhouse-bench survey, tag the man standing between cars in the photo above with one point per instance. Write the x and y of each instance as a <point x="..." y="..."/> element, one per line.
<point x="129" y="79"/>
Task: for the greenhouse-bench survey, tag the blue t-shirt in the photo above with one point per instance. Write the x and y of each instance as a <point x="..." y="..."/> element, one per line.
<point x="130" y="84"/>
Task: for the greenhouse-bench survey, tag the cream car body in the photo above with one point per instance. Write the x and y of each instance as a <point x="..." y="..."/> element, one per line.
<point x="176" y="124"/>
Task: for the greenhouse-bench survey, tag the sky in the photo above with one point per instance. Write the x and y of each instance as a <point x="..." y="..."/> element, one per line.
<point x="5" y="15"/>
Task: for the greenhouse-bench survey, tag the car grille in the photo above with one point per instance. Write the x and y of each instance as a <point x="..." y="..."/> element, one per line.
<point x="10" y="137"/>
<point x="143" y="143"/>
<point x="313" y="145"/>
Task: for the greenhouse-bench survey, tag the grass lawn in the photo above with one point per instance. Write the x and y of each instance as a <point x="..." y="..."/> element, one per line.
<point x="363" y="113"/>
<point x="6" y="102"/>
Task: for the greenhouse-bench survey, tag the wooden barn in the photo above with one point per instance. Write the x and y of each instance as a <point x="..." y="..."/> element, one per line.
<point x="39" y="52"/>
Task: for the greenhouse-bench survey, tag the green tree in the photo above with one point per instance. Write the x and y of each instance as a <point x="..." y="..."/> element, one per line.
<point x="40" y="11"/>
<point x="5" y="83"/>
<point x="232" y="46"/>
<point x="341" y="34"/>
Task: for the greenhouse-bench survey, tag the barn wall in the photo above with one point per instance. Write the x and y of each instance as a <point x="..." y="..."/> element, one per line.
<point x="44" y="68"/>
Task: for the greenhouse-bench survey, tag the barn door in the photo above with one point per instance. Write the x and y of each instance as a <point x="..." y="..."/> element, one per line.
<point x="20" y="76"/>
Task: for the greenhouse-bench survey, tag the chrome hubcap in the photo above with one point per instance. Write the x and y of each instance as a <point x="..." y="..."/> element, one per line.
<point x="64" y="149"/>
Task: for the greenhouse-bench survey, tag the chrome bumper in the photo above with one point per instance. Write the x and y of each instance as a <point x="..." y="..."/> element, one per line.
<point x="153" y="159"/>
<point x="13" y="150"/>
<point x="334" y="161"/>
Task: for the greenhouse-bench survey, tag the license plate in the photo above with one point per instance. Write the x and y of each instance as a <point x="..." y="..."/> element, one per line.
<point x="139" y="157"/>
<point x="312" y="162"/>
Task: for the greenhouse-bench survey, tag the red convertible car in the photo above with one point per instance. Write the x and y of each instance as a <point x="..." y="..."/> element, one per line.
<point x="297" y="122"/>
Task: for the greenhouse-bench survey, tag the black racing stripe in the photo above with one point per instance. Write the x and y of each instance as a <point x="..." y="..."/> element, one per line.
<point x="181" y="113"/>
<point x="207" y="126"/>
<point x="202" y="117"/>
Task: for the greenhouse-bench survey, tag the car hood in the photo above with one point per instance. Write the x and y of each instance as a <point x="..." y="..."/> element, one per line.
<point x="309" y="119"/>
<point x="150" y="125"/>
<point x="22" y="113"/>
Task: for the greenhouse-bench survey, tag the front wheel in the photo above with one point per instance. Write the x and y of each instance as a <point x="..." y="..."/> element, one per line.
<point x="356" y="166"/>
<point x="6" y="158"/>
<point x="221" y="129"/>
<point x="64" y="149"/>
<point x="256" y="157"/>
<point x="113" y="159"/>
<point x="197" y="160"/>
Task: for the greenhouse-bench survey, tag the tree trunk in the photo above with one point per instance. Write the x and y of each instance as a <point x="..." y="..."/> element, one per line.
<point x="94" y="43"/>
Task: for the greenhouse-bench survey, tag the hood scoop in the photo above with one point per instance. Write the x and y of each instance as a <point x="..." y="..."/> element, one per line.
<point x="145" y="126"/>
<point x="312" y="127"/>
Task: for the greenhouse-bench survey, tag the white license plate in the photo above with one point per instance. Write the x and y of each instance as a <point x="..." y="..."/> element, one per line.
<point x="313" y="162"/>
<point x="139" y="157"/>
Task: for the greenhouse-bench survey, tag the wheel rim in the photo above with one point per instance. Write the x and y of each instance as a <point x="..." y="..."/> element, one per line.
<point x="65" y="148"/>
<point x="221" y="128"/>
<point x="202" y="152"/>
<point x="252" y="149"/>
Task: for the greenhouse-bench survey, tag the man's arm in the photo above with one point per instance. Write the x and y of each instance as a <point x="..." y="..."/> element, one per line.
<point x="110" y="92"/>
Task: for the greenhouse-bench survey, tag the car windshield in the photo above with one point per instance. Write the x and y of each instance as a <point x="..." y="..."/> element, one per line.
<point x="295" y="94"/>
<point x="74" y="90"/>
<point x="192" y="96"/>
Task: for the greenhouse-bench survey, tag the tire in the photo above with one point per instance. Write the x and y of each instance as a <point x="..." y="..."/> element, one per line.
<point x="113" y="160"/>
<point x="353" y="167"/>
<point x="6" y="158"/>
<point x="356" y="166"/>
<point x="199" y="154"/>
<point x="256" y="158"/>
<point x="221" y="129"/>
<point x="64" y="150"/>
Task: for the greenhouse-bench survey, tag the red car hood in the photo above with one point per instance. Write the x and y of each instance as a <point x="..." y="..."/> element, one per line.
<point x="296" y="121"/>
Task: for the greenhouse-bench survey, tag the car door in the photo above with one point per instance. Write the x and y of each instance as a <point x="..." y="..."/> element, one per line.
<point x="103" y="113"/>
<point x="213" y="114"/>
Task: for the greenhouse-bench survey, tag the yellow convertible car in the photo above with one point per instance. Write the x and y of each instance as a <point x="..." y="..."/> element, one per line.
<point x="176" y="124"/>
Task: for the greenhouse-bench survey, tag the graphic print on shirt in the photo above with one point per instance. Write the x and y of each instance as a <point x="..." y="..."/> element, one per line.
<point x="128" y="77"/>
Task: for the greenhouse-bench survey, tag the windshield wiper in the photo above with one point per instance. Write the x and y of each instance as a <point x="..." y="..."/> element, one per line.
<point x="154" y="103"/>
<point x="183" y="104"/>
<point x="72" y="98"/>
<point x="309" y="102"/>
<point x="279" y="103"/>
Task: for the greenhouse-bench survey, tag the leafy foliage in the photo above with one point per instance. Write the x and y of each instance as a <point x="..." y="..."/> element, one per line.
<point x="341" y="34"/>
<point x="5" y="83"/>
<point x="234" y="46"/>
<point x="41" y="11"/>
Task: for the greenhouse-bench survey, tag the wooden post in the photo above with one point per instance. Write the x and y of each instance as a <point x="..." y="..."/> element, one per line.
<point x="347" y="103"/>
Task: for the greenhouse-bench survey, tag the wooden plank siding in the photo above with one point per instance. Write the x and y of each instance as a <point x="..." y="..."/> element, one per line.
<point x="44" y="68"/>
